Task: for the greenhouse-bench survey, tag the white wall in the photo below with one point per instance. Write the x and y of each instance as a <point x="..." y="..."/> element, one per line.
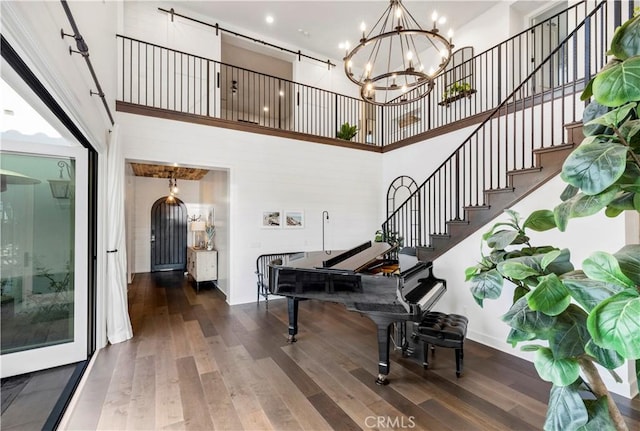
<point x="267" y="173"/>
<point x="214" y="193"/>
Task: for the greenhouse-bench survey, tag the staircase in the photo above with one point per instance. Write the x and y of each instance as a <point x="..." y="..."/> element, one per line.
<point x="521" y="182"/>
<point x="521" y="146"/>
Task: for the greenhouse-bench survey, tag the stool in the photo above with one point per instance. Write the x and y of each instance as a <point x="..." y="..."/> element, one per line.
<point x="443" y="330"/>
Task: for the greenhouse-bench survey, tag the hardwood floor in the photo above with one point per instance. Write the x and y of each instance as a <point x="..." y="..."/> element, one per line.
<point x="196" y="363"/>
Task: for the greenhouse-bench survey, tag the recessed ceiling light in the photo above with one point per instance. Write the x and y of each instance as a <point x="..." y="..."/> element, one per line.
<point x="269" y="19"/>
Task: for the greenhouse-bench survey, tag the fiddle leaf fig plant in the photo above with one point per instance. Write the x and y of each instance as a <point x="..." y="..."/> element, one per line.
<point x="579" y="317"/>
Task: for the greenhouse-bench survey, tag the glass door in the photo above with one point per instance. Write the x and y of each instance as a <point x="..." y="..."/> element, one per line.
<point x="43" y="251"/>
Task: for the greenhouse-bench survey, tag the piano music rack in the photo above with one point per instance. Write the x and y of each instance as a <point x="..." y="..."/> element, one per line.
<point x="262" y="272"/>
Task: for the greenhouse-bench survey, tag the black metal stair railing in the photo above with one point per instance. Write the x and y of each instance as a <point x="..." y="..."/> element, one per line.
<point x="160" y="77"/>
<point x="532" y="117"/>
<point x="489" y="77"/>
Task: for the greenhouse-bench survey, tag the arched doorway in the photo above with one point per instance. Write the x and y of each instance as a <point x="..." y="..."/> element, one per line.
<point x="399" y="191"/>
<point x="168" y="235"/>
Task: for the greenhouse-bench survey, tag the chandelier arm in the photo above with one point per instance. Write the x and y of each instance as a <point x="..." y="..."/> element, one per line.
<point x="408" y="14"/>
<point x="404" y="66"/>
<point x="416" y="53"/>
<point x="389" y="68"/>
<point x="385" y="16"/>
<point x="373" y="56"/>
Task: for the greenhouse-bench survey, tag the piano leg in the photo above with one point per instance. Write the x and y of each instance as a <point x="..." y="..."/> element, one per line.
<point x="384" y="338"/>
<point x="292" y="308"/>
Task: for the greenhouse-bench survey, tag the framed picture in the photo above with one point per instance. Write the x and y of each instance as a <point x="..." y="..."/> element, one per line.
<point x="294" y="219"/>
<point x="272" y="219"/>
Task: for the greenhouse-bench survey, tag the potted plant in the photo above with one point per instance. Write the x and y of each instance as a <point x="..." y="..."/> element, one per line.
<point x="455" y="91"/>
<point x="347" y="131"/>
<point x="579" y="317"/>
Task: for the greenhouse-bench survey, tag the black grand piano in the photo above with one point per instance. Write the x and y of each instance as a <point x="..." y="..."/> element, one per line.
<point x="368" y="279"/>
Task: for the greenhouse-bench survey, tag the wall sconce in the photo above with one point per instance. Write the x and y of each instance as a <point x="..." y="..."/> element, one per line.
<point x="63" y="188"/>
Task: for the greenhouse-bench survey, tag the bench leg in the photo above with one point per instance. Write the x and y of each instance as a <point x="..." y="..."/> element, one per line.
<point x="459" y="356"/>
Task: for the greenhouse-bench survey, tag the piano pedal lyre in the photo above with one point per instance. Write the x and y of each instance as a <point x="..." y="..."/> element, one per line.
<point x="399" y="339"/>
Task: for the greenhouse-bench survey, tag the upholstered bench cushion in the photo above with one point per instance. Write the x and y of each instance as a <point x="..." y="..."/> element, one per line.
<point x="443" y="327"/>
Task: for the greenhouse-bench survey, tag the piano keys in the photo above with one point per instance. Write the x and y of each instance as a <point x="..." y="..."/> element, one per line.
<point x="367" y="279"/>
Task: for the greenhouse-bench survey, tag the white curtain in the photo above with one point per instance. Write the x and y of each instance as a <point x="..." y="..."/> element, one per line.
<point x="118" y="323"/>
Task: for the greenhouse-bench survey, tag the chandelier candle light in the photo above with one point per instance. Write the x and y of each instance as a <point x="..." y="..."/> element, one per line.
<point x="399" y="59"/>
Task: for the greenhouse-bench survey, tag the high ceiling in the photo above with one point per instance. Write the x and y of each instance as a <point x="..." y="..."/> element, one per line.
<point x="318" y="27"/>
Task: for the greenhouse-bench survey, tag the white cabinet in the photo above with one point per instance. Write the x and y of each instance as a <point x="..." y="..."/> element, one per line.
<point x="202" y="265"/>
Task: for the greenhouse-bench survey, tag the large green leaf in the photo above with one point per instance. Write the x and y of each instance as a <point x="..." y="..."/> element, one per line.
<point x="569" y="192"/>
<point x="570" y="333"/>
<point x="519" y="268"/>
<point x="610" y="359"/>
<point x="587" y="93"/>
<point x="603" y="266"/>
<point x="630" y="179"/>
<point x="515" y="336"/>
<point x="587" y="292"/>
<point x="615" y="323"/>
<point x="631" y="131"/>
<point x="486" y="285"/>
<point x="562" y="214"/>
<point x="565" y="411"/>
<point x="549" y="258"/>
<point x="625" y="42"/>
<point x="562" y="264"/>
<point x="628" y="258"/>
<point x="560" y="372"/>
<point x="599" y="417"/>
<point x="585" y="205"/>
<point x="622" y="202"/>
<point x="619" y="84"/>
<point x="614" y="117"/>
<point x="594" y="166"/>
<point x="540" y="221"/>
<point x="523" y="318"/>
<point x="501" y="239"/>
<point x="550" y="296"/>
<point x="592" y="111"/>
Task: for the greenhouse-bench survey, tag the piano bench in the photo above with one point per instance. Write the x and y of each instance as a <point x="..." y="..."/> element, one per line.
<point x="443" y="330"/>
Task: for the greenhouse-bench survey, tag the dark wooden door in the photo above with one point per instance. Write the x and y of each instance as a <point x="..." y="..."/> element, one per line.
<point x="168" y="235"/>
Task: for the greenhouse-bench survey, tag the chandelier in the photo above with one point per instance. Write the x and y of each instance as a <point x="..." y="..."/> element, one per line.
<point x="398" y="59"/>
<point x="173" y="189"/>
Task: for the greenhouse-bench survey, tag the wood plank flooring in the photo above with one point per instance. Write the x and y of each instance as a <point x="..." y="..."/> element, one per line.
<point x="196" y="363"/>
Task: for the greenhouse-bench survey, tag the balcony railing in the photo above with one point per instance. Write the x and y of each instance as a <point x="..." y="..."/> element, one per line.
<point x="160" y="77"/>
<point x="507" y="140"/>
